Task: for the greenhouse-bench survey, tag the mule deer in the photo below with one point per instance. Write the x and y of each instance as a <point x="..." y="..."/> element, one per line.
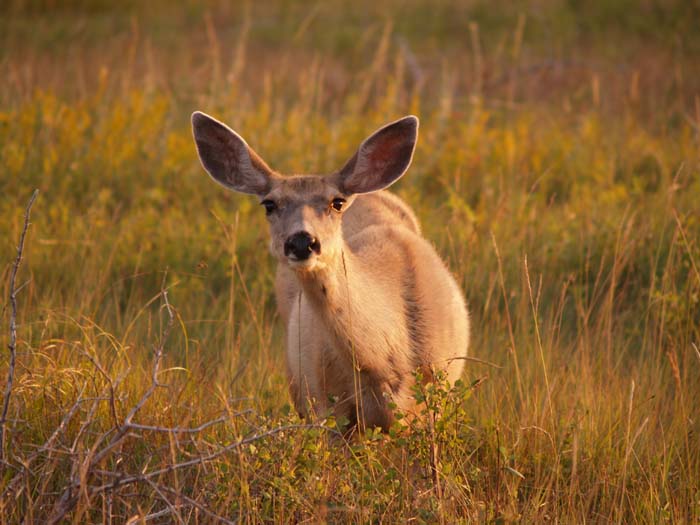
<point x="365" y="298"/>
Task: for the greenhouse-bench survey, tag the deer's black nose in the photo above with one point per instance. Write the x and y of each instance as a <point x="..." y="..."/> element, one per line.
<point x="301" y="245"/>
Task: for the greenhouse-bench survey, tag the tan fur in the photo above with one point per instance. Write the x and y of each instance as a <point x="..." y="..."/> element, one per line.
<point x="367" y="210"/>
<point x="376" y="303"/>
<point x="363" y="317"/>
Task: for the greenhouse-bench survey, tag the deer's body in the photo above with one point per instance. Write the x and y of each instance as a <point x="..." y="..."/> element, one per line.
<point x="365" y="298"/>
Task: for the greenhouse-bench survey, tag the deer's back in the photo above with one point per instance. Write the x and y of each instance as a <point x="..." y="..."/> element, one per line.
<point x="375" y="209"/>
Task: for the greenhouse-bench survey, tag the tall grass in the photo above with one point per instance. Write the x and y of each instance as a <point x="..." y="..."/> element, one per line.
<point x="561" y="190"/>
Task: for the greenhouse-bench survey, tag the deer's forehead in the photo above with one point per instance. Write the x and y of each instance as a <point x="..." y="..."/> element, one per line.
<point x="305" y="188"/>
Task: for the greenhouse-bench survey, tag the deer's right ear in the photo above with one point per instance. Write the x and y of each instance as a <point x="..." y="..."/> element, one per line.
<point x="227" y="157"/>
<point x="382" y="158"/>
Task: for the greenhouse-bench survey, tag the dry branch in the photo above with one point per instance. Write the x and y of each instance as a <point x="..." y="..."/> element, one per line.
<point x="9" y="492"/>
<point x="12" y="346"/>
<point x="121" y="481"/>
<point x="204" y="510"/>
<point x="182" y="430"/>
<point x="91" y="474"/>
<point x="97" y="455"/>
<point x="87" y="468"/>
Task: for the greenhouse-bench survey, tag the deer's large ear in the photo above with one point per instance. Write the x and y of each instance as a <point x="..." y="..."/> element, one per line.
<point x="227" y="157"/>
<point x="381" y="159"/>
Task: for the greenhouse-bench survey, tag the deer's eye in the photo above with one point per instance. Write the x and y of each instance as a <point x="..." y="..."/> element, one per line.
<point x="270" y="206"/>
<point x="337" y="204"/>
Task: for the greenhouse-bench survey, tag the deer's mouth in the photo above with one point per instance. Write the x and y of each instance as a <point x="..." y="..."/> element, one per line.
<point x="307" y="263"/>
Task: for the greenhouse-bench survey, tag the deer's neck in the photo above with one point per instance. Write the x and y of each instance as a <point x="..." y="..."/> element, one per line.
<point x="334" y="288"/>
<point x="354" y="307"/>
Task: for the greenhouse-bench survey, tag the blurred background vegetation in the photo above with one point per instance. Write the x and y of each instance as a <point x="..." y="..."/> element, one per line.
<point x="556" y="171"/>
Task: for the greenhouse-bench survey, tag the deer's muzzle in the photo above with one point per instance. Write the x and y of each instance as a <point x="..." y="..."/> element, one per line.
<point x="301" y="245"/>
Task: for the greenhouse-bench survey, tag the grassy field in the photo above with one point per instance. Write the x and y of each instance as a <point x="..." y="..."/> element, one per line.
<point x="557" y="171"/>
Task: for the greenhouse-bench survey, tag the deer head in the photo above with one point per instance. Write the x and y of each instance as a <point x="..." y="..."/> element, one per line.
<point x="305" y="211"/>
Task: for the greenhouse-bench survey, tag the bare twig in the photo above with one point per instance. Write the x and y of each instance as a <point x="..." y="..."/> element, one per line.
<point x="184" y="430"/>
<point x="47" y="446"/>
<point x="149" y="517"/>
<point x="189" y="501"/>
<point x="172" y="508"/>
<point x="89" y="478"/>
<point x="70" y="495"/>
<point x="475" y="360"/>
<point x="12" y="346"/>
<point x="122" y="481"/>
<point x="120" y="432"/>
<point x="110" y="383"/>
<point x="125" y="427"/>
<point x="158" y="357"/>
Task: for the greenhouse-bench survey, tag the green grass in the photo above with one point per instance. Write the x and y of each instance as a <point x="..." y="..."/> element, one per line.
<point x="557" y="171"/>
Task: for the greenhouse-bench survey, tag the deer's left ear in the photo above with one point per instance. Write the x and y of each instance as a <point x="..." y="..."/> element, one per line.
<point x="227" y="157"/>
<point x="381" y="159"/>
